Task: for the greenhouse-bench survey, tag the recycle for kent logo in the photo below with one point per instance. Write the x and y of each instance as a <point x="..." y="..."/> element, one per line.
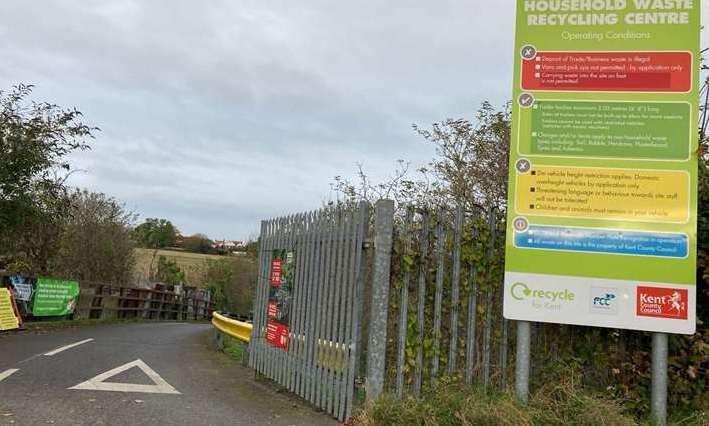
<point x="522" y="291"/>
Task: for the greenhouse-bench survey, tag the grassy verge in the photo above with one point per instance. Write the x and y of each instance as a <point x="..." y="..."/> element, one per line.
<point x="235" y="348"/>
<point x="449" y="402"/>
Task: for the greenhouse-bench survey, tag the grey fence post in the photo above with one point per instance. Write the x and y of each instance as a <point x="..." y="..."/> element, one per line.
<point x="522" y="362"/>
<point x="376" y="352"/>
<point x="421" y="303"/>
<point x="455" y="289"/>
<point x="503" y="353"/>
<point x="404" y="305"/>
<point x="471" y="338"/>
<point x="438" y="300"/>
<point x="487" y="333"/>
<point x="659" y="378"/>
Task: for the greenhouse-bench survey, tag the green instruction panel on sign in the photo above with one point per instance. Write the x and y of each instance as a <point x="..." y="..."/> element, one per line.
<point x="602" y="207"/>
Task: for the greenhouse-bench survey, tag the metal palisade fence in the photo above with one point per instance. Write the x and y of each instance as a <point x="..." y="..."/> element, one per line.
<point x="419" y="305"/>
<point x="445" y="312"/>
<point x="413" y="293"/>
<point x="308" y="304"/>
<point x="396" y="298"/>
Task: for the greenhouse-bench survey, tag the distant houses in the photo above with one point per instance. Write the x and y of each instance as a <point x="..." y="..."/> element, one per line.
<point x="200" y="243"/>
<point x="228" y="245"/>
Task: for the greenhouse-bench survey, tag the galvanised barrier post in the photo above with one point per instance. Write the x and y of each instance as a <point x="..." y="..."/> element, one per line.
<point x="376" y="350"/>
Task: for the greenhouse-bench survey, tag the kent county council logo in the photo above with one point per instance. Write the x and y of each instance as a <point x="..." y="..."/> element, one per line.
<point x="662" y="302"/>
<point x="604" y="300"/>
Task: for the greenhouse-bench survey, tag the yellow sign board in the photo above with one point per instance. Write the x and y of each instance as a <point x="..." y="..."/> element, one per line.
<point x="8" y="320"/>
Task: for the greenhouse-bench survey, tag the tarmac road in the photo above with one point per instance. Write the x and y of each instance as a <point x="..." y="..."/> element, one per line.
<point x="181" y="380"/>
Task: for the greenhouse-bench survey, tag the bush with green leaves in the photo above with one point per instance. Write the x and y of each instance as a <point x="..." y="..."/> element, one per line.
<point x="36" y="140"/>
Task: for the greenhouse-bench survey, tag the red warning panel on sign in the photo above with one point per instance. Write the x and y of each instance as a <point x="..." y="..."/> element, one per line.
<point x="277" y="334"/>
<point x="608" y="72"/>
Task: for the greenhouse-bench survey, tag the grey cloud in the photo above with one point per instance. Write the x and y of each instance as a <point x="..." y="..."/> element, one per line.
<point x="218" y="113"/>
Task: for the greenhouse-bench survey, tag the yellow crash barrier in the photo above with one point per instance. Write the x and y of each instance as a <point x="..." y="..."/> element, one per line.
<point x="236" y="329"/>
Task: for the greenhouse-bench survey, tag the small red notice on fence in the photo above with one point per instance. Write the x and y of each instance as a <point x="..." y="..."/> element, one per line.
<point x="272" y="310"/>
<point x="277" y="334"/>
<point x="280" y="292"/>
<point x="276" y="272"/>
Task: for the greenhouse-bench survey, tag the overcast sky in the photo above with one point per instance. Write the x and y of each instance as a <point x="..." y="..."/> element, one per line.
<point x="216" y="114"/>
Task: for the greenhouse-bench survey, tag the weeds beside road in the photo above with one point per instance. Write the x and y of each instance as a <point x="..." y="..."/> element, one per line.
<point x="561" y="401"/>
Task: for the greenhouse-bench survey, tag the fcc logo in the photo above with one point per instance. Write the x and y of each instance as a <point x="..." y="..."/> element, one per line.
<point x="604" y="300"/>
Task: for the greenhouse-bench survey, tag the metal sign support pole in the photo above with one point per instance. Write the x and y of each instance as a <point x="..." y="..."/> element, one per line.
<point x="659" y="378"/>
<point x="522" y="362"/>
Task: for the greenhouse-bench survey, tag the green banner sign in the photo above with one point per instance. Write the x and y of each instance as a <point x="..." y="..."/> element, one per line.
<point x="55" y="297"/>
<point x="602" y="208"/>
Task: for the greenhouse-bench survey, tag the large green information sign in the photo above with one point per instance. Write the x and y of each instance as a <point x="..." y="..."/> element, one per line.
<point x="603" y="166"/>
<point x="55" y="297"/>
